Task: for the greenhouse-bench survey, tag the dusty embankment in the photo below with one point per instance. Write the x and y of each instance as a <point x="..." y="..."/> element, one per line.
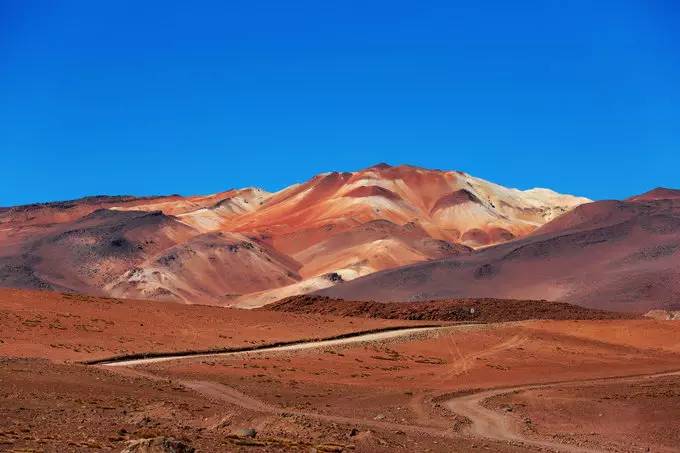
<point x="75" y="327"/>
<point x="462" y="310"/>
<point x="382" y="334"/>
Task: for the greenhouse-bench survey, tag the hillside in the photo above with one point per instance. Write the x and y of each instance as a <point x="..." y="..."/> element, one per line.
<point x="248" y="247"/>
<point x="462" y="310"/>
<point x="619" y="255"/>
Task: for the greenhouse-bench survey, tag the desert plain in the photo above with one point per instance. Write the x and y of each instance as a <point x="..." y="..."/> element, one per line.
<point x="81" y="373"/>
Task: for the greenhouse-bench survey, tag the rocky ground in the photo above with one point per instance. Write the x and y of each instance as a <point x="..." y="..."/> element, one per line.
<point x="561" y="381"/>
<point x="396" y="392"/>
<point x="75" y="327"/>
<point x="626" y="415"/>
<point x="469" y="310"/>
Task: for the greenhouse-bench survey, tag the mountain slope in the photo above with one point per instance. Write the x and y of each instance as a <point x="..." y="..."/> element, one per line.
<point x="448" y="205"/>
<point x="334" y="227"/>
<point x="621" y="255"/>
<point x="375" y="245"/>
<point x="87" y="254"/>
<point x="19" y="224"/>
<point x="211" y="268"/>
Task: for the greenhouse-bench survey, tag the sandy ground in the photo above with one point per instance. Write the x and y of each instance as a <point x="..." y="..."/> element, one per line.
<point x="412" y="383"/>
<point x="508" y="387"/>
<point x="74" y="327"/>
<point x="347" y="339"/>
<point x="585" y="416"/>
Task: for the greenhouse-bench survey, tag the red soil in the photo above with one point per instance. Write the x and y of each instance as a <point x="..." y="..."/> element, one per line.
<point x="660" y="193"/>
<point x="74" y="327"/>
<point x="372" y="191"/>
<point x="366" y="397"/>
<point x="636" y="411"/>
<point x="455" y="198"/>
<point x="405" y="383"/>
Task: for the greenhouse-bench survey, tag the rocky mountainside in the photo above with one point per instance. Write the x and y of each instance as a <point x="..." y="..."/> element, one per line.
<point x="249" y="247"/>
<point x="619" y="255"/>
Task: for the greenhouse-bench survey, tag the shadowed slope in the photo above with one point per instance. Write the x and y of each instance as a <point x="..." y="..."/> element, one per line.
<point x="89" y="253"/>
<point x="621" y="255"/>
<point x="332" y="228"/>
<point x="210" y="268"/>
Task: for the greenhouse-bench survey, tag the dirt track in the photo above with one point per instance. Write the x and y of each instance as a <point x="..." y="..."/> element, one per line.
<point x="295" y="346"/>
<point x="485" y="423"/>
<point x="491" y="424"/>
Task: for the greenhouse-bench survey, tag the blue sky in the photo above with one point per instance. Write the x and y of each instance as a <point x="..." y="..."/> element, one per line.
<point x="128" y="97"/>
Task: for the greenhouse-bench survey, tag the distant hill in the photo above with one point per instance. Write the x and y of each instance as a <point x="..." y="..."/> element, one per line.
<point x="616" y="255"/>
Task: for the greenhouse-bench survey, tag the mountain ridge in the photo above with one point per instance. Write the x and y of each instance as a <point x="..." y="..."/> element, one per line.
<point x="348" y="224"/>
<point x="615" y="255"/>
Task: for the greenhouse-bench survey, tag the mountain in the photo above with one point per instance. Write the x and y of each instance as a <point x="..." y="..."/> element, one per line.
<point x="619" y="255"/>
<point x="196" y="270"/>
<point x="660" y="193"/>
<point x="448" y="205"/>
<point x="85" y="254"/>
<point x="248" y="247"/>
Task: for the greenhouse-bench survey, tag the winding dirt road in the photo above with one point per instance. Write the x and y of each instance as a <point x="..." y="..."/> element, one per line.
<point x="494" y="425"/>
<point x="486" y="423"/>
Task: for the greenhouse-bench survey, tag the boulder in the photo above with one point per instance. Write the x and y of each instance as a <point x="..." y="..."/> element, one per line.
<point x="158" y="445"/>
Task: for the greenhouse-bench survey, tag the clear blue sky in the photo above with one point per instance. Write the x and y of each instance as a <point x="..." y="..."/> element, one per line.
<point x="143" y="97"/>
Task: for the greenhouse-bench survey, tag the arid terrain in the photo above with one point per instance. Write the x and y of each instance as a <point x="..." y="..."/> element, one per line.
<point x="248" y="247"/>
<point x="387" y="309"/>
<point x="68" y="327"/>
<point x="383" y="233"/>
<point x="614" y="255"/>
<point x="461" y="310"/>
<point x="280" y="381"/>
<point x="340" y="227"/>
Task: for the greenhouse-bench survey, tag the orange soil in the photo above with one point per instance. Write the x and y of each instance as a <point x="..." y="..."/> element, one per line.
<point x="73" y="327"/>
<point x="603" y="414"/>
<point x="407" y="382"/>
<point x="382" y="396"/>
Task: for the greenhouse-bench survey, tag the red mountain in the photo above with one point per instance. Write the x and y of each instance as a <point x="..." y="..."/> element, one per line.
<point x="621" y="255"/>
<point x="249" y="247"/>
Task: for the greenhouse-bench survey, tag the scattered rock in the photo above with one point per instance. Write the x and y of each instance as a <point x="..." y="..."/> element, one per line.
<point x="158" y="445"/>
<point x="334" y="277"/>
<point x="330" y="448"/>
<point x="223" y="423"/>
<point x="246" y="432"/>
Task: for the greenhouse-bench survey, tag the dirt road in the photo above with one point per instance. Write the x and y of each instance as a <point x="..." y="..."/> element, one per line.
<point x="494" y="425"/>
<point x="485" y="423"/>
<point x="293" y="346"/>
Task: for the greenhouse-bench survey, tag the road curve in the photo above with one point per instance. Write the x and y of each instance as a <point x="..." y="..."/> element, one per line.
<point x="494" y="425"/>
<point x="292" y="346"/>
<point x="485" y="423"/>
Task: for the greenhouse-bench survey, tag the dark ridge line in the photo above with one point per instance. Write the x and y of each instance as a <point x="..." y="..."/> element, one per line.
<point x="197" y="352"/>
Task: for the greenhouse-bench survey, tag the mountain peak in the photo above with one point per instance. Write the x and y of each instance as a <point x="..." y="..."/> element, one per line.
<point x="380" y="166"/>
<point x="659" y="193"/>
